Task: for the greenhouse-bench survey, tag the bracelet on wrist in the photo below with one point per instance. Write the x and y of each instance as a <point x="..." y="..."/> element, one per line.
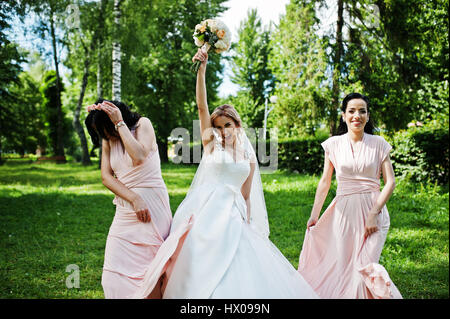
<point x="374" y="213"/>
<point x="119" y="124"/>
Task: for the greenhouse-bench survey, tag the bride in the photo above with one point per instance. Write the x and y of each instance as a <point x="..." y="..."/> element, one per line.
<point x="218" y="245"/>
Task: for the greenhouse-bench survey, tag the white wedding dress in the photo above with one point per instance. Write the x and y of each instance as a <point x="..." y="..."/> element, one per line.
<point x="212" y="252"/>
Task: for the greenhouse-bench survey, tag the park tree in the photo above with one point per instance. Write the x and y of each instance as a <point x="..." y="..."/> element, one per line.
<point x="157" y="48"/>
<point x="101" y="39"/>
<point x="337" y="53"/>
<point x="417" y="34"/>
<point x="50" y="13"/>
<point x="28" y="133"/>
<point x="82" y="40"/>
<point x="10" y="69"/>
<point x="397" y="54"/>
<point x="250" y="66"/>
<point x="299" y="63"/>
<point x="116" y="52"/>
<point x="51" y="93"/>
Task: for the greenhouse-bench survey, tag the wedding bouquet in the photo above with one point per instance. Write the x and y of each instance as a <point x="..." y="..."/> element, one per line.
<point x="211" y="33"/>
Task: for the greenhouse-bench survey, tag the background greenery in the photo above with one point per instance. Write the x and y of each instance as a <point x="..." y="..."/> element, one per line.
<point x="397" y="55"/>
<point x="57" y="215"/>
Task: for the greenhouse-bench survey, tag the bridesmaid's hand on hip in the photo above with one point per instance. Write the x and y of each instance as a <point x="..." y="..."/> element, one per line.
<point x="371" y="225"/>
<point x="311" y="222"/>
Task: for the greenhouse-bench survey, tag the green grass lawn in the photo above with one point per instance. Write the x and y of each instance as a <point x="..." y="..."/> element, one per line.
<point x="53" y="216"/>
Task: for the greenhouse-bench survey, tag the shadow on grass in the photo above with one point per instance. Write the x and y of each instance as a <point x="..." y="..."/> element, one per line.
<point x="419" y="281"/>
<point x="416" y="250"/>
<point x="43" y="233"/>
<point x="35" y="175"/>
<point x="77" y="175"/>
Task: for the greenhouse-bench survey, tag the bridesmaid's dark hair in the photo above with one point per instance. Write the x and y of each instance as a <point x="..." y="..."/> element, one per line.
<point x="97" y="121"/>
<point x="368" y="128"/>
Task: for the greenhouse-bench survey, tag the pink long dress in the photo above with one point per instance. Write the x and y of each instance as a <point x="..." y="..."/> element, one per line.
<point x="131" y="244"/>
<point x="336" y="259"/>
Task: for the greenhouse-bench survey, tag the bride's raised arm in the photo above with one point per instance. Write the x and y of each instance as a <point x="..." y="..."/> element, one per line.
<point x="202" y="103"/>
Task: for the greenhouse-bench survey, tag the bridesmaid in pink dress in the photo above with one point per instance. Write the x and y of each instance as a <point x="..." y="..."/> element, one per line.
<point x="131" y="169"/>
<point x="341" y="250"/>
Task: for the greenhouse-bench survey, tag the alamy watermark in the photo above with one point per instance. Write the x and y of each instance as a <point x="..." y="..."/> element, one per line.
<point x="190" y="151"/>
<point x="73" y="16"/>
<point x="73" y="279"/>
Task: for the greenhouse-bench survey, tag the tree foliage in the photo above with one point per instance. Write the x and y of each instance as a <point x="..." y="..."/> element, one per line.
<point x="299" y="63"/>
<point x="28" y="132"/>
<point x="50" y="95"/>
<point x="10" y="68"/>
<point x="250" y="65"/>
<point x="397" y="55"/>
<point x="157" y="51"/>
<point x="400" y="62"/>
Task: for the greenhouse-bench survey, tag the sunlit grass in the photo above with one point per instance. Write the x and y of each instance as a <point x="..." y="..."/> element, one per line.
<point x="56" y="215"/>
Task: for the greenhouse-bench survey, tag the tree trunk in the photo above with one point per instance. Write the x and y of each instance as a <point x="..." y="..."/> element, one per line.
<point x="99" y="40"/>
<point x="1" y="160"/>
<point x="164" y="132"/>
<point x="59" y="128"/>
<point x="116" y="54"/>
<point x="99" y="73"/>
<point x="163" y="148"/>
<point x="99" y="92"/>
<point x="86" y="160"/>
<point x="339" y="51"/>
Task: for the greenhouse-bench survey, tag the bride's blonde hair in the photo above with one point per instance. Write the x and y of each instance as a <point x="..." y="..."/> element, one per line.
<point x="228" y="111"/>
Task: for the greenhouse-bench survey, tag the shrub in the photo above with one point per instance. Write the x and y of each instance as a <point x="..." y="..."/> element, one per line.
<point x="304" y="155"/>
<point x="421" y="154"/>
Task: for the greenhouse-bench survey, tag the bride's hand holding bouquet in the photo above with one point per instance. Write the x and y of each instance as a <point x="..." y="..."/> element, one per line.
<point x="201" y="57"/>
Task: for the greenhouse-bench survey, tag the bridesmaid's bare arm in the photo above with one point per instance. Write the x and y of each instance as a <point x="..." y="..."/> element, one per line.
<point x="138" y="148"/>
<point x="322" y="191"/>
<point x="389" y="186"/>
<point x="118" y="188"/>
<point x="246" y="188"/>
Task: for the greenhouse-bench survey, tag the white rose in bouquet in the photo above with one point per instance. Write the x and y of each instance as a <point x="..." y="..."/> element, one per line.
<point x="212" y="25"/>
<point x="220" y="46"/>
